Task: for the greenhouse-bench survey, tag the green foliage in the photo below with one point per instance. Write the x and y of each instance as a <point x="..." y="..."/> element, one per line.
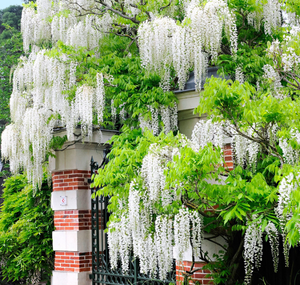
<point x="10" y="16"/>
<point x="219" y="270"/>
<point x="243" y="105"/>
<point x="26" y="225"/>
<point x="57" y="142"/>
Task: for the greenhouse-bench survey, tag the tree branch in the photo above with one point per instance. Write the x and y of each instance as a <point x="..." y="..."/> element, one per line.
<point x="123" y="15"/>
<point x="164" y="7"/>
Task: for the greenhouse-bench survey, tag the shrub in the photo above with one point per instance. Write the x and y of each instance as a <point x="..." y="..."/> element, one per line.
<point x="26" y="225"/>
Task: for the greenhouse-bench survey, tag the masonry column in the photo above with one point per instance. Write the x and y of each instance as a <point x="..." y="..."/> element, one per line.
<point x="71" y="202"/>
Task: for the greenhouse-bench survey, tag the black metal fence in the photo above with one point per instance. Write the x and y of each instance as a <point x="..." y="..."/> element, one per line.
<point x="101" y="270"/>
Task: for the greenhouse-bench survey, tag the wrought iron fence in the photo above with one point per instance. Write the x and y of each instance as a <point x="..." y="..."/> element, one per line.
<point x="101" y="270"/>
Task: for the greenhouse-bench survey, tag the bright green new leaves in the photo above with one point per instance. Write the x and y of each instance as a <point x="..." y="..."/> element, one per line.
<point x="126" y="157"/>
<point x="243" y="105"/>
<point x="245" y="108"/>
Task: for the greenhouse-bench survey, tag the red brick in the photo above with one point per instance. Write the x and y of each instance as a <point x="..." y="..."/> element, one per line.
<point x="57" y="173"/>
<point x="58" y="220"/>
<point x="68" y="188"/>
<point x="83" y="187"/>
<point x="76" y="175"/>
<point x="228" y="152"/>
<point x="57" y="180"/>
<point x="229" y="164"/>
<point x="81" y="171"/>
<point x="70" y="228"/>
<point x="59" y="212"/>
<point x="78" y="179"/>
<point x="199" y="275"/>
<point x="62" y="177"/>
<point x="58" y="189"/>
<point x="228" y="158"/>
<point x="75" y="257"/>
<point x="69" y="220"/>
<point x="76" y="183"/>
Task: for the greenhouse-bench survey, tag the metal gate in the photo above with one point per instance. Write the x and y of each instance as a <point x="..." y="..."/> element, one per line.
<point x="101" y="271"/>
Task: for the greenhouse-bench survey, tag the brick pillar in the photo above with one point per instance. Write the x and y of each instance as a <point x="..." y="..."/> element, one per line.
<point x="199" y="276"/>
<point x="72" y="221"/>
<point x="71" y="202"/>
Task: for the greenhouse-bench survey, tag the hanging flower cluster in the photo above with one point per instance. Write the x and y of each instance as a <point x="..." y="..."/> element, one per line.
<point x="271" y="75"/>
<point x="34" y="25"/>
<point x="290" y="59"/>
<point x="66" y="25"/>
<point x="245" y="149"/>
<point x="283" y="212"/>
<point x="85" y="33"/>
<point x="132" y="233"/>
<point x="290" y="155"/>
<point x="206" y="131"/>
<point x="153" y="249"/>
<point x="155" y="41"/>
<point x="164" y="44"/>
<point x="273" y="237"/>
<point x="239" y="75"/>
<point x="168" y="116"/>
<point x="270" y="16"/>
<point x="285" y="55"/>
<point x="253" y="246"/>
<point x="39" y="83"/>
